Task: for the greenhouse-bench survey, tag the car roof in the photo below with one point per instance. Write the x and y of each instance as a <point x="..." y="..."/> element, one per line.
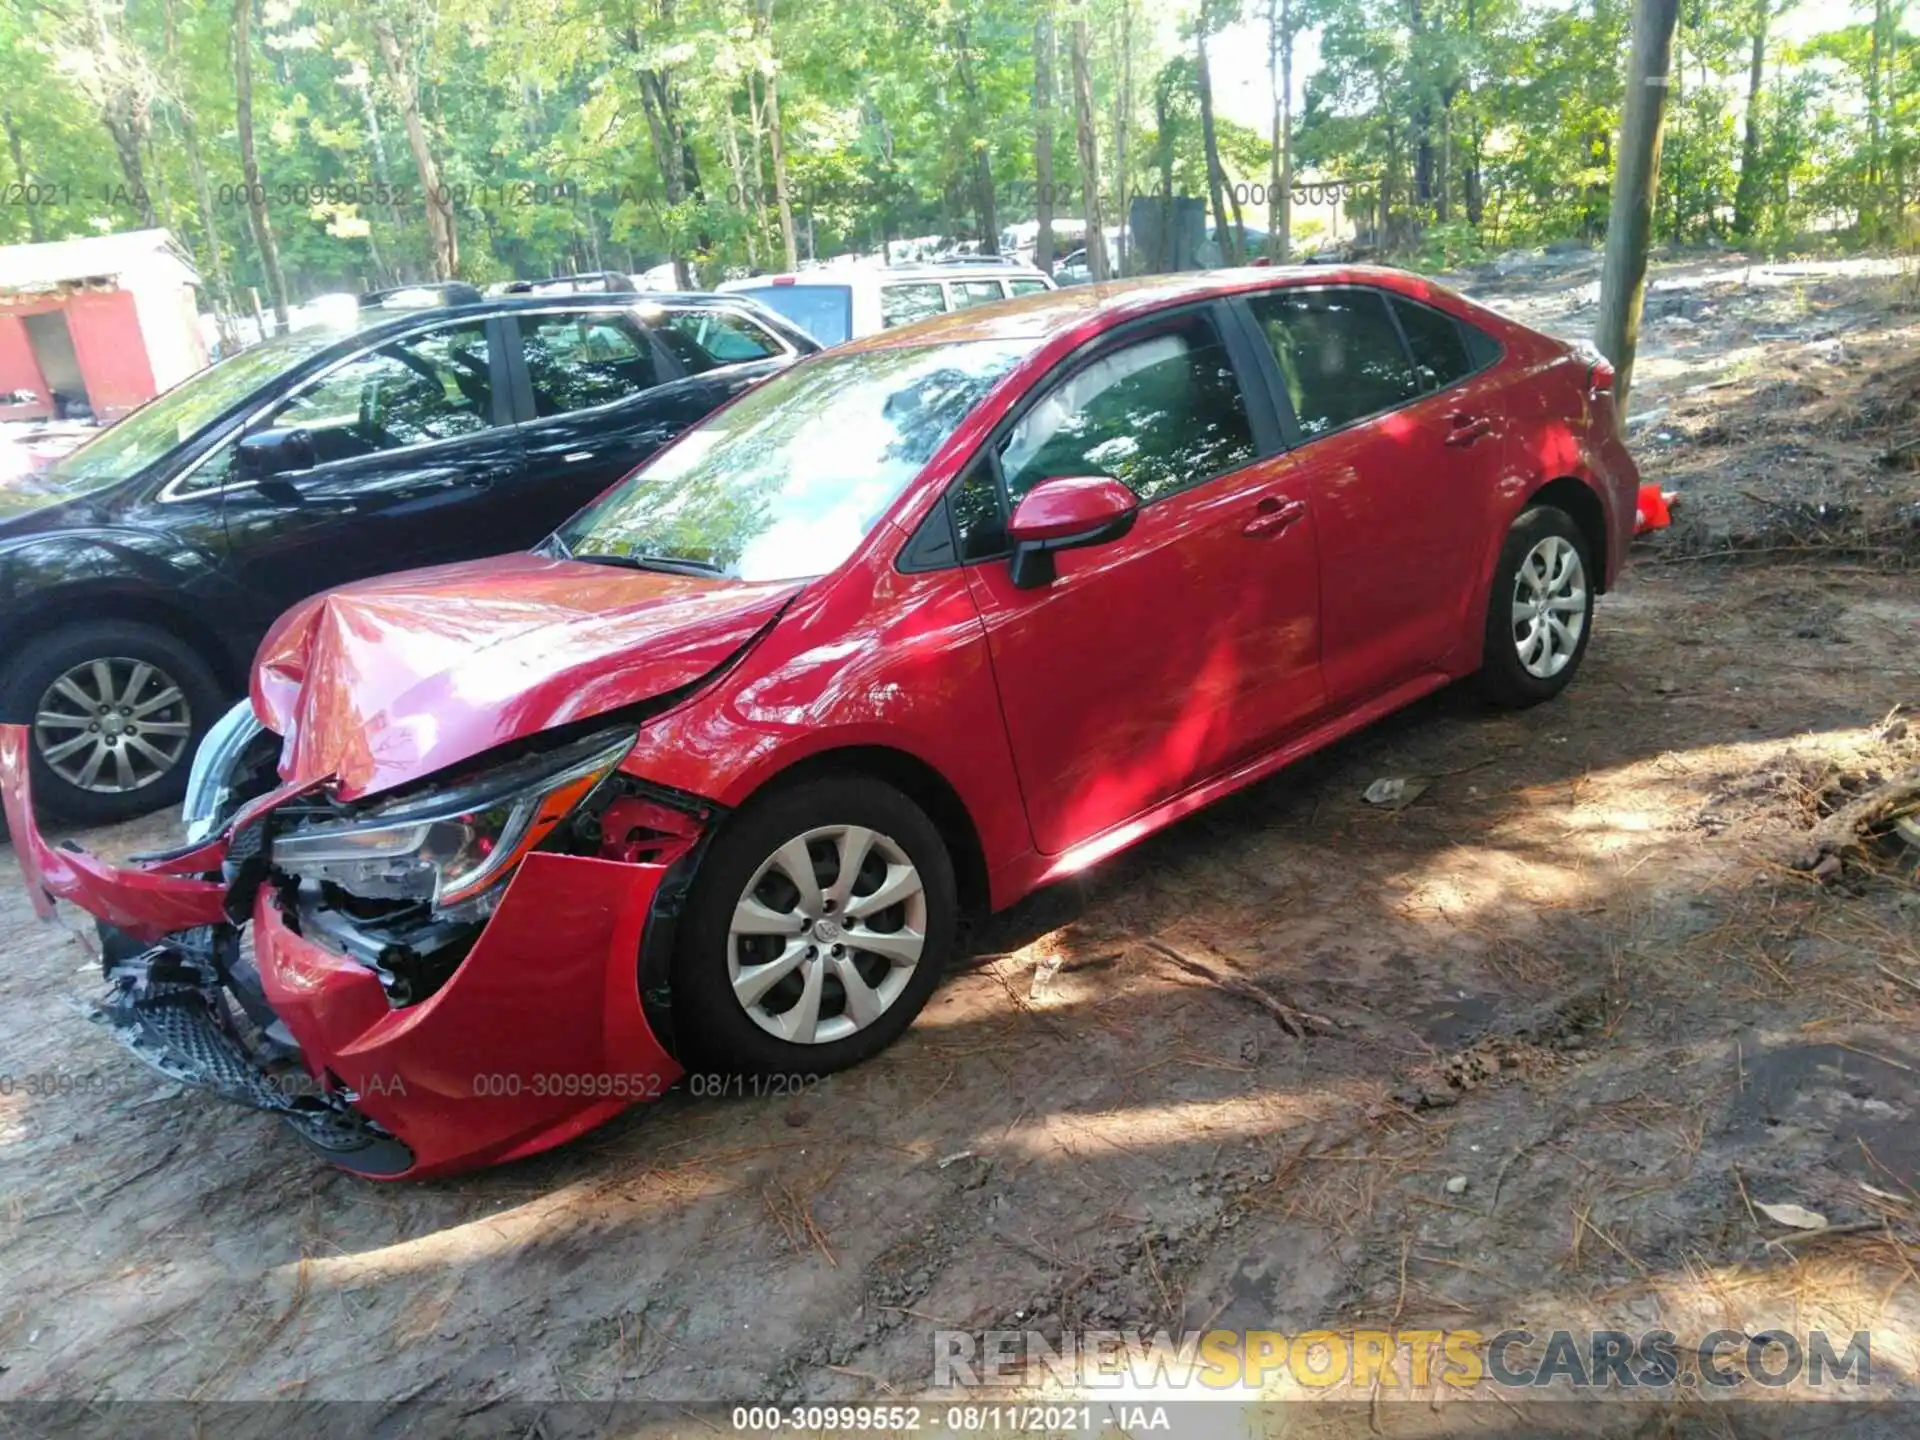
<point x="1051" y="313"/>
<point x="849" y="275"/>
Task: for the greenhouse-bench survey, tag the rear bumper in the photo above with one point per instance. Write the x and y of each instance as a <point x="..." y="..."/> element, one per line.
<point x="538" y="1036"/>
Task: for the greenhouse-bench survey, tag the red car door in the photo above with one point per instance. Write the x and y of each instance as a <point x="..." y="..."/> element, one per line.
<point x="1154" y="661"/>
<point x="1400" y="475"/>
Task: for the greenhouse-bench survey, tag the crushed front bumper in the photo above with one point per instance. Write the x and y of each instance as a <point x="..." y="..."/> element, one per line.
<point x="538" y="1036"/>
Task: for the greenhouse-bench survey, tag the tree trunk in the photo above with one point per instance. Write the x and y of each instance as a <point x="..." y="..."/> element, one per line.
<point x="1280" y="173"/>
<point x="1623" y="274"/>
<point x="125" y="125"/>
<point x="1216" y="176"/>
<point x="1043" y="138"/>
<point x="1166" y="260"/>
<point x="1089" y="150"/>
<point x="441" y="231"/>
<point x="249" y="164"/>
<point x="1746" y="194"/>
<point x="730" y="147"/>
<point x="776" y="145"/>
<point x="18" y="150"/>
<point x="382" y="172"/>
<point x="1123" y="106"/>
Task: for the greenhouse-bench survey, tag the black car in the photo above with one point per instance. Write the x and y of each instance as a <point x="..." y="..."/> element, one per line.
<point x="139" y="573"/>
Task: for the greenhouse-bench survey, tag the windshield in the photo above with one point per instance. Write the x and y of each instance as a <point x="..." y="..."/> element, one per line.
<point x="824" y="311"/>
<point x="787" y="480"/>
<point x="130" y="445"/>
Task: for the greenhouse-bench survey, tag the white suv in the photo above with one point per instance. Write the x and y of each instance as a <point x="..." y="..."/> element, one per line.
<point x="843" y="302"/>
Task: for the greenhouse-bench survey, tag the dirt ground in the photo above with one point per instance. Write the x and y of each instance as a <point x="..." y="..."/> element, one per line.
<point x="1573" y="1018"/>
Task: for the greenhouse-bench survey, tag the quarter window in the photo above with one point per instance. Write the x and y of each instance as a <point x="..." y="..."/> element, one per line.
<point x="703" y="339"/>
<point x="586" y="358"/>
<point x="1339" y="354"/>
<point x="1157" y="413"/>
<point x="409" y="392"/>
<point x="1439" y="350"/>
<point x="904" y="304"/>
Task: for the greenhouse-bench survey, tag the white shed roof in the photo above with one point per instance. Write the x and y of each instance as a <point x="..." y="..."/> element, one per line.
<point x="29" y="268"/>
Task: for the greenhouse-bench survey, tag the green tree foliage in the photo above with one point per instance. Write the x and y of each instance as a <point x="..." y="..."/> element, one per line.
<point x="723" y="135"/>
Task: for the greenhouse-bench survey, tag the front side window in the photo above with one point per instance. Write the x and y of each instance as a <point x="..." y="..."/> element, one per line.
<point x="581" y="359"/>
<point x="904" y="304"/>
<point x="1025" y="287"/>
<point x="415" y="391"/>
<point x="968" y="293"/>
<point x="150" y="433"/>
<point x="1439" y="349"/>
<point x="705" y="339"/>
<point x="788" y="480"/>
<point x="1158" y="414"/>
<point x="1339" y="354"/>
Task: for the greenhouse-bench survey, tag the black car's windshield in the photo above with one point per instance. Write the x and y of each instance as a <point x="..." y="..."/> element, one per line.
<point x="788" y="479"/>
<point x="130" y="445"/>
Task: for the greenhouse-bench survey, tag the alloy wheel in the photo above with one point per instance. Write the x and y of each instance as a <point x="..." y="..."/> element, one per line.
<point x="1549" y="606"/>
<point x="112" y="725"/>
<point x="827" y="934"/>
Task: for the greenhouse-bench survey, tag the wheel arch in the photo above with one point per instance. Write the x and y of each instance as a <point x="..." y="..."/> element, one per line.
<point x="921" y="783"/>
<point x="1583" y="505"/>
<point x="62" y="610"/>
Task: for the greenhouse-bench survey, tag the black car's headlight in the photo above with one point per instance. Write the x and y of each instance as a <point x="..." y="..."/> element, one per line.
<point x="453" y="847"/>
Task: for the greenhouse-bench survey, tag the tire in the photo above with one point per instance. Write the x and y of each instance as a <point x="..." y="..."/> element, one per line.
<point x="718" y="1031"/>
<point x="1515" y="672"/>
<point x="134" y="655"/>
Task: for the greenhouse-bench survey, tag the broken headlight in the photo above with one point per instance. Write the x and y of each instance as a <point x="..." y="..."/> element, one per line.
<point x="452" y="847"/>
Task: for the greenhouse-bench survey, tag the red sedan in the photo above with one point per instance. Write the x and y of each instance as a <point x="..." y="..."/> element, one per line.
<point x="926" y="622"/>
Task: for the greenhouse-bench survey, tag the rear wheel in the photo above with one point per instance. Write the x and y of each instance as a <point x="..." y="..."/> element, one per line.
<point x="817" y="928"/>
<point x="1540" y="613"/>
<point x="115" y="709"/>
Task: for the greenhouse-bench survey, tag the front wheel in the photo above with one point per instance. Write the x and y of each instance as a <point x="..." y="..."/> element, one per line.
<point x="1540" y="613"/>
<point x="115" y="709"/>
<point x="818" y="926"/>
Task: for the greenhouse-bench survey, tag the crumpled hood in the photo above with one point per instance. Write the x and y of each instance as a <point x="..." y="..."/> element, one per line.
<point x="385" y="681"/>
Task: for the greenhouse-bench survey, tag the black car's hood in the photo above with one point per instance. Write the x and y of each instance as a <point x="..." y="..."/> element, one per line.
<point x="32" y="505"/>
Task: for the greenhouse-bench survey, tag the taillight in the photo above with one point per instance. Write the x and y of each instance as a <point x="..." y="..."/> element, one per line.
<point x="1600" y="372"/>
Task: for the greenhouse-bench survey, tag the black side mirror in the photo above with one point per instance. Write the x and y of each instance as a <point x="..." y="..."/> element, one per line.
<point x="1066" y="513"/>
<point x="265" y="457"/>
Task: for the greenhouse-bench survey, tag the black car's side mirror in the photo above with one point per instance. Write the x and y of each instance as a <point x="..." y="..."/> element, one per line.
<point x="265" y="457"/>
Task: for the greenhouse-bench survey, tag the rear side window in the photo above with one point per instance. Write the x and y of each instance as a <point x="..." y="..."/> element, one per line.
<point x="703" y="339"/>
<point x="1339" y="354"/>
<point x="579" y="360"/>
<point x="968" y="293"/>
<point x="904" y="304"/>
<point x="1439" y="349"/>
<point x="824" y="311"/>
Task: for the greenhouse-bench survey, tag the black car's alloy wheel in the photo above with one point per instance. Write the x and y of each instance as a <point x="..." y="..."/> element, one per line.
<point x="115" y="710"/>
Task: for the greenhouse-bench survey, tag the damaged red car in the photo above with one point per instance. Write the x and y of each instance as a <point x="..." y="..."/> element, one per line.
<point x="709" y="780"/>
